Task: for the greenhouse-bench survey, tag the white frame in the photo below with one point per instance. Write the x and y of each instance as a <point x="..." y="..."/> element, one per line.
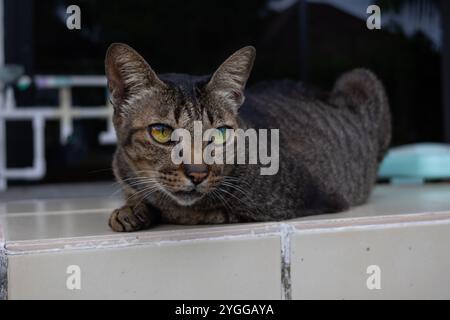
<point x="38" y="115"/>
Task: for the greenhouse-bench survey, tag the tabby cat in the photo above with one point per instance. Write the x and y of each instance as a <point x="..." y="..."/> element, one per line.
<point x="330" y="144"/>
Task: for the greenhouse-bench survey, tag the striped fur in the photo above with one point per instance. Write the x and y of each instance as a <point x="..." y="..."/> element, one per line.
<point x="330" y="144"/>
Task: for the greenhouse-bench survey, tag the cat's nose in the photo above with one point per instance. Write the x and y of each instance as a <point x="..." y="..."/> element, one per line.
<point x="196" y="172"/>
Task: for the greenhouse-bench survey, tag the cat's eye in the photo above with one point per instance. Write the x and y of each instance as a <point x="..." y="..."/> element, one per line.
<point x="221" y="135"/>
<point x="161" y="133"/>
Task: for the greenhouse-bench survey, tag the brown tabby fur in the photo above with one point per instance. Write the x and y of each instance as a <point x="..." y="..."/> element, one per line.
<point x="330" y="145"/>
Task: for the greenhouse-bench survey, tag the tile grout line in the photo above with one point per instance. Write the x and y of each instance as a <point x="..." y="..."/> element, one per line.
<point x="286" y="231"/>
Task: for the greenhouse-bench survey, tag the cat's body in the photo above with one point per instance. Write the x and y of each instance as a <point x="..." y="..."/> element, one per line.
<point x="329" y="149"/>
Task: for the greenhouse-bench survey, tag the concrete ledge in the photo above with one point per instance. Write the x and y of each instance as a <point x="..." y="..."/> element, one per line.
<point x="404" y="231"/>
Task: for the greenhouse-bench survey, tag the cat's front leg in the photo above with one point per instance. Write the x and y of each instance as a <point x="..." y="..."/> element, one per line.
<point x="130" y="218"/>
<point x="135" y="215"/>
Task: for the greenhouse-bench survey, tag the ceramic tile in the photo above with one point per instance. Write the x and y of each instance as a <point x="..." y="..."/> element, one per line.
<point x="58" y="206"/>
<point x="52" y="226"/>
<point x="397" y="200"/>
<point x="103" y="189"/>
<point x="414" y="261"/>
<point x="218" y="269"/>
<point x="90" y="229"/>
<point x="68" y="218"/>
<point x="328" y="251"/>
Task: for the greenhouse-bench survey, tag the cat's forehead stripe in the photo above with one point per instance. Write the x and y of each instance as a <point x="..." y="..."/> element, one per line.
<point x="210" y="116"/>
<point x="177" y="113"/>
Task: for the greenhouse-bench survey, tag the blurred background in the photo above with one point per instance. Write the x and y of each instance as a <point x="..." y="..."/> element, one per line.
<point x="310" y="41"/>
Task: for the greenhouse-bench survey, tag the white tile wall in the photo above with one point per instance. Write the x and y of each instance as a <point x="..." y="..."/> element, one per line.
<point x="211" y="269"/>
<point x="413" y="261"/>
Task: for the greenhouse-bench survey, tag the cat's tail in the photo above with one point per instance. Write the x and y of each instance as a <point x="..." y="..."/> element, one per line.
<point x="362" y="92"/>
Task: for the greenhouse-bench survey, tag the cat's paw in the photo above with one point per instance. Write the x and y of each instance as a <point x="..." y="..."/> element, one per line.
<point x="127" y="219"/>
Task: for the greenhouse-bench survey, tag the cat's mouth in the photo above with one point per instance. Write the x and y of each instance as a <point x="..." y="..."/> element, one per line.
<point x="187" y="198"/>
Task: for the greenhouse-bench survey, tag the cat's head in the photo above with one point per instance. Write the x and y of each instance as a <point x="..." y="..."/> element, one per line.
<point x="147" y="108"/>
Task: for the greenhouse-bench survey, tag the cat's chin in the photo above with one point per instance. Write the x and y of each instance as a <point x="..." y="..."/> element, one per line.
<point x="186" y="198"/>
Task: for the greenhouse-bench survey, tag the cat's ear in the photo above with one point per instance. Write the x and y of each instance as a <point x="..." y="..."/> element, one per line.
<point x="228" y="82"/>
<point x="128" y="73"/>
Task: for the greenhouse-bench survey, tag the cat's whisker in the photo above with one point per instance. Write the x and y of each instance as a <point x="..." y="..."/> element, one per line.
<point x="236" y="180"/>
<point x="147" y="194"/>
<point x="223" y="200"/>
<point x="137" y="178"/>
<point x="152" y="172"/>
<point x="246" y="204"/>
<point x="236" y="187"/>
<point x="143" y="191"/>
<point x="143" y="182"/>
<point x="136" y="181"/>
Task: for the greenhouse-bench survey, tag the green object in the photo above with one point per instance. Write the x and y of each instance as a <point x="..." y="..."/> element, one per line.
<point x="23" y="83"/>
<point x="417" y="162"/>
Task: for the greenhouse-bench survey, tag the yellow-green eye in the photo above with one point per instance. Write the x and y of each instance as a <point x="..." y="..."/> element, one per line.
<point x="160" y="132"/>
<point x="221" y="135"/>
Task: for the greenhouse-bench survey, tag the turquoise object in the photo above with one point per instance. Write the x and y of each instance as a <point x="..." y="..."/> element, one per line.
<point x="416" y="162"/>
<point x="24" y="83"/>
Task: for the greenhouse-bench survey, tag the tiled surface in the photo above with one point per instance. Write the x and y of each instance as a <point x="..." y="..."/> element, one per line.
<point x="56" y="206"/>
<point x="70" y="218"/>
<point x="221" y="269"/>
<point x="414" y="263"/>
<point x="102" y="189"/>
<point x="403" y="229"/>
<point x="397" y="200"/>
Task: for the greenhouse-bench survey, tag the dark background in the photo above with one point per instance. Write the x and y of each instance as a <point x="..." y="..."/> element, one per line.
<point x="314" y="46"/>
